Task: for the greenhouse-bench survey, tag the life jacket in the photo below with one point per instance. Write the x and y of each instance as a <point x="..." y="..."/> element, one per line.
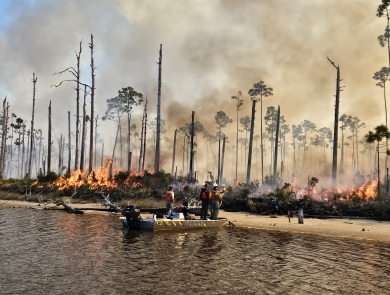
<point x="204" y="195"/>
<point x="181" y="208"/>
<point x="168" y="196"/>
<point x="214" y="196"/>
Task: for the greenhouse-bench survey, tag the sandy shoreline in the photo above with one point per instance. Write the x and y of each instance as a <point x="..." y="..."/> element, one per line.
<point x="342" y="228"/>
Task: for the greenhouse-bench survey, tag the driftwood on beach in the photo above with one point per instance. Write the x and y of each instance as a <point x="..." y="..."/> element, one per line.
<point x="69" y="209"/>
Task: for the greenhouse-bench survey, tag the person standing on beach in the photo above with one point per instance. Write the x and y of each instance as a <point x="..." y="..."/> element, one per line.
<point x="215" y="198"/>
<point x="170" y="198"/>
<point x="204" y="197"/>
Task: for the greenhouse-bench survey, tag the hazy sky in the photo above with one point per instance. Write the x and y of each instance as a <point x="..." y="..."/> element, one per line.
<point x="211" y="50"/>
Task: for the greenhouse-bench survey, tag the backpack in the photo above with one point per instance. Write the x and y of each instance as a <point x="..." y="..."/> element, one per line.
<point x="204" y="195"/>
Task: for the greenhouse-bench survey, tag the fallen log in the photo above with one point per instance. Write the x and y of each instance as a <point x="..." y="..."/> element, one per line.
<point x="69" y="209"/>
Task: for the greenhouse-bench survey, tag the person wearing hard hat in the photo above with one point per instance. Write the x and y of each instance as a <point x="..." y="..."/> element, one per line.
<point x="215" y="199"/>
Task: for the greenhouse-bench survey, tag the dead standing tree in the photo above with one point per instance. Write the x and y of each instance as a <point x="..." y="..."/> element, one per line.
<point x="49" y="142"/>
<point x="4" y="136"/>
<point x="69" y="145"/>
<point x="92" y="109"/>
<point x="276" y="147"/>
<point x="84" y="129"/>
<point x="192" y="134"/>
<point x="34" y="81"/>
<point x="141" y="161"/>
<point x="157" y="156"/>
<point x="174" y="152"/>
<point x="248" y="172"/>
<point x="336" y="126"/>
<point x="76" y="74"/>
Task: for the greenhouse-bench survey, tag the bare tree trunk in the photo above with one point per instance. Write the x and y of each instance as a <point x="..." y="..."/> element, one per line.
<point x="113" y="150"/>
<point x="4" y="137"/>
<point x="96" y="126"/>
<point x="76" y="159"/>
<point x="219" y="160"/>
<point x="157" y="156"/>
<point x="128" y="131"/>
<point x="248" y="172"/>
<point x="144" y="149"/>
<point x="69" y="144"/>
<point x="276" y="147"/>
<point x="34" y="80"/>
<point x="49" y="142"/>
<point x="84" y="133"/>
<point x="59" y="155"/>
<point x="40" y="146"/>
<point x="174" y="152"/>
<point x="261" y="139"/>
<point x="141" y="145"/>
<point x="23" y="153"/>
<point x="92" y="107"/>
<point x="336" y="127"/>
<point x="143" y="139"/>
<point x="223" y="156"/>
<point x="192" y="147"/>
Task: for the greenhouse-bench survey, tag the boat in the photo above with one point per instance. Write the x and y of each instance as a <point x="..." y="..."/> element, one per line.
<point x="175" y="221"/>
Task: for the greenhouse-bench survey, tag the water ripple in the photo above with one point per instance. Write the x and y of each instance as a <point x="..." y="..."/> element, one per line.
<point x="43" y="251"/>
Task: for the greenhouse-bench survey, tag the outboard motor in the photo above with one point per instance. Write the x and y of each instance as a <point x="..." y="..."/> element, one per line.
<point x="132" y="216"/>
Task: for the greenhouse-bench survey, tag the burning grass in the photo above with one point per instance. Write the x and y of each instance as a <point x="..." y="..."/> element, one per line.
<point x="147" y="190"/>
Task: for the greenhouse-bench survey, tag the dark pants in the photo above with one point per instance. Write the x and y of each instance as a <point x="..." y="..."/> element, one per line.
<point x="205" y="209"/>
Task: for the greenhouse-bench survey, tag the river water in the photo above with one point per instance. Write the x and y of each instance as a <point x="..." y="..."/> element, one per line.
<point x="52" y="252"/>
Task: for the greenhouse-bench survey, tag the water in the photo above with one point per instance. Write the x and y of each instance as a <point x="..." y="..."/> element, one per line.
<point x="51" y="252"/>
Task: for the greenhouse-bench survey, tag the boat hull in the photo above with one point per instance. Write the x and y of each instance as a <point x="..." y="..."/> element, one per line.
<point x="167" y="224"/>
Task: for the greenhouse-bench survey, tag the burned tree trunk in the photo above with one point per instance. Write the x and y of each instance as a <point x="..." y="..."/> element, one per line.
<point x="174" y="152"/>
<point x="34" y="80"/>
<point x="248" y="171"/>
<point x="59" y="155"/>
<point x="336" y="126"/>
<point x="144" y="148"/>
<point x="4" y="138"/>
<point x="157" y="156"/>
<point x="40" y="147"/>
<point x="113" y="151"/>
<point x="276" y="147"/>
<point x="84" y="133"/>
<point x="22" y="161"/>
<point x="96" y="126"/>
<point x="92" y="108"/>
<point x="49" y="142"/>
<point x="192" y="147"/>
<point x="143" y="140"/>
<point x="69" y="145"/>
<point x="141" y="145"/>
<point x="223" y="156"/>
<point x="219" y="161"/>
<point x="78" y="73"/>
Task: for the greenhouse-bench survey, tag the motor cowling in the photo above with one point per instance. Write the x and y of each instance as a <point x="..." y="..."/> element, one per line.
<point x="132" y="215"/>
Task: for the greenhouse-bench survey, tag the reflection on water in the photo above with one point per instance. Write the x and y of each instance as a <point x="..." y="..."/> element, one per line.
<point x="51" y="252"/>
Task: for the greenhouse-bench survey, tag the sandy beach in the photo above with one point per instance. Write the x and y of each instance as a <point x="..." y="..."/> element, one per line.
<point x="360" y="229"/>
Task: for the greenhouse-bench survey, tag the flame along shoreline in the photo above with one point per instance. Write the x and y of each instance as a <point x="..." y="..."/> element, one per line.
<point x="100" y="179"/>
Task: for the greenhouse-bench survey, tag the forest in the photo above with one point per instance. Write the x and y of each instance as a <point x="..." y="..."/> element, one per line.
<point x="248" y="143"/>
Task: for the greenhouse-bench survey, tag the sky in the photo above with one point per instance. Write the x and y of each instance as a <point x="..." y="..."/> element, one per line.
<point x="211" y="50"/>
